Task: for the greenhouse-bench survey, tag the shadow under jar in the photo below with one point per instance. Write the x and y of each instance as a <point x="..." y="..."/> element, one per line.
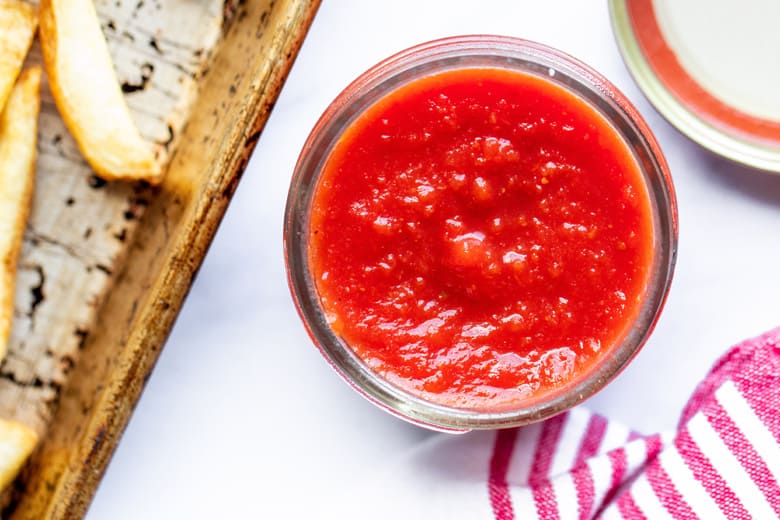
<point x="480" y="233"/>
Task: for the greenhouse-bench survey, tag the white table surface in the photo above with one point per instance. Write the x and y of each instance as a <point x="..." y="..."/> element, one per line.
<point x="243" y="418"/>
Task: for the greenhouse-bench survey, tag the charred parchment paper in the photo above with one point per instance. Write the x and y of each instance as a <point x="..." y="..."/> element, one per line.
<point x="80" y="226"/>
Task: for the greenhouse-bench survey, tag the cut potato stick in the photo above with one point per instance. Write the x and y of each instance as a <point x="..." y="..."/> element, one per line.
<point x="18" y="134"/>
<point x="17" y="441"/>
<point x="17" y="28"/>
<point x="87" y="93"/>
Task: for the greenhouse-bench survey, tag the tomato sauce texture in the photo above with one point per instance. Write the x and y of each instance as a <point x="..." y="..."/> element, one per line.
<point x="480" y="237"/>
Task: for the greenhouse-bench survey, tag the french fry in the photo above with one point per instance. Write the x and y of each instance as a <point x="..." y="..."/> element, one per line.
<point x="18" y="21"/>
<point x="17" y="441"/>
<point x="18" y="134"/>
<point x="87" y="93"/>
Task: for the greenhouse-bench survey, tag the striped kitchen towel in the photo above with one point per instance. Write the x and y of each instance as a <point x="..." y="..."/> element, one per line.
<point x="722" y="462"/>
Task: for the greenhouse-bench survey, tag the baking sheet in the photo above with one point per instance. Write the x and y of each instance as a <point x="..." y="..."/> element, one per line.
<point x="118" y="260"/>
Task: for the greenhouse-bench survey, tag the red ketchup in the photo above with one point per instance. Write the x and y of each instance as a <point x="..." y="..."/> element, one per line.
<point x="481" y="237"/>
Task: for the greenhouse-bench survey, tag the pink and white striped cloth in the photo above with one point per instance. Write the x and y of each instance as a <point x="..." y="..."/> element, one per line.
<point x="723" y="461"/>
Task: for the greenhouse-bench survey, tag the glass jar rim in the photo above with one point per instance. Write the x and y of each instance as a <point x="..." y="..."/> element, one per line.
<point x="429" y="58"/>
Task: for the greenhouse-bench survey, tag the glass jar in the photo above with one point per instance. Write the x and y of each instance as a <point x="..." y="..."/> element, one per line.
<point x="482" y="52"/>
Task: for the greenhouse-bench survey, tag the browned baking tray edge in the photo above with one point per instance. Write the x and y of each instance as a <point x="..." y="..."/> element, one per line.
<point x="117" y="358"/>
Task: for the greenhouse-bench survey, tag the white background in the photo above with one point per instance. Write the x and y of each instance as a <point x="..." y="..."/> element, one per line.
<point x="243" y="418"/>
